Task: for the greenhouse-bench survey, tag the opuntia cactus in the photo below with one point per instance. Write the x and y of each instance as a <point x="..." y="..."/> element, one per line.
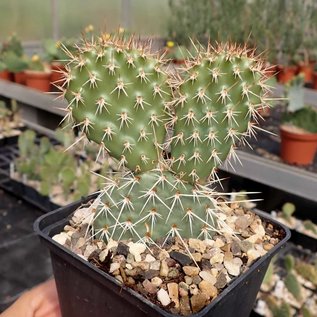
<point x="172" y="132"/>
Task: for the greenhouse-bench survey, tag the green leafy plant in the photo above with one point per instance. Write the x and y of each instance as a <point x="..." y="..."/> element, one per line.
<point x="15" y="63"/>
<point x="36" y="64"/>
<point x="120" y="97"/>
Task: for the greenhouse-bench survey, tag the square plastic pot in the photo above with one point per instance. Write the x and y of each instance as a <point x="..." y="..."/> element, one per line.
<point x="84" y="290"/>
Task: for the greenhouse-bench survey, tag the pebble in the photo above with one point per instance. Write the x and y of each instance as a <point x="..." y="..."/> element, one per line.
<point x="136" y="249"/>
<point x="149" y="287"/>
<point x="233" y="266"/>
<point x="173" y="293"/>
<point x="122" y="249"/>
<point x="144" y="266"/>
<point x="149" y="258"/>
<point x="268" y="246"/>
<point x="208" y="289"/>
<point x="181" y="258"/>
<point x="173" y="273"/>
<point x="198" y="302"/>
<point x="242" y="222"/>
<point x="197" y="244"/>
<point x="103" y="254"/>
<point x="188" y="280"/>
<point x="157" y="281"/>
<point x="205" y="264"/>
<point x="114" y="266"/>
<point x="184" y="306"/>
<point x="221" y="281"/>
<point x="191" y="270"/>
<point x="208" y="277"/>
<point x="149" y="274"/>
<point x="155" y="265"/>
<point x="197" y="256"/>
<point x="164" y="269"/>
<point x="193" y="289"/>
<point x="163" y="297"/>
<point x="183" y="289"/>
<point x="235" y="248"/>
<point x="196" y="279"/>
<point x="61" y="238"/>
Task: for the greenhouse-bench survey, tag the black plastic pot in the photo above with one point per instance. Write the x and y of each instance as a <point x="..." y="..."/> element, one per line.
<point x="84" y="290"/>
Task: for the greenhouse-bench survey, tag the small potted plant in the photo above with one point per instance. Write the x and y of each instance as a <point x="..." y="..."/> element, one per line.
<point x="299" y="127"/>
<point x="38" y="74"/>
<point x="161" y="238"/>
<point x="4" y="73"/>
<point x="56" y="56"/>
<point x="17" y="66"/>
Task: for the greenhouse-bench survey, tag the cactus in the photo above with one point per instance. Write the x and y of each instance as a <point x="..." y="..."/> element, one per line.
<point x="278" y="310"/>
<point x="289" y="262"/>
<point x="287" y="210"/>
<point x="307" y="271"/>
<point x="293" y="286"/>
<point x="310" y="226"/>
<point x="171" y="132"/>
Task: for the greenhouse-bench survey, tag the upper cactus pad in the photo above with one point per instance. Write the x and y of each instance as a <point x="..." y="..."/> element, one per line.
<point x="117" y="94"/>
<point x="218" y="97"/>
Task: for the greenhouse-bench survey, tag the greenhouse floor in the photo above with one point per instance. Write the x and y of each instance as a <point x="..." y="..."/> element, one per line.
<point x="24" y="262"/>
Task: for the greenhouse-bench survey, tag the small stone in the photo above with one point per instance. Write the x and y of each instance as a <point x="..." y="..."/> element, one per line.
<point x="252" y="255"/>
<point x="61" y="238"/>
<point x="219" y="243"/>
<point x="149" y="258"/>
<point x="155" y="265"/>
<point x="149" y="274"/>
<point x="164" y="269"/>
<point x="112" y="244"/>
<point x="134" y="272"/>
<point x="268" y="246"/>
<point x="205" y="264"/>
<point x="196" y="279"/>
<point x="114" y="266"/>
<point x="208" y="289"/>
<point x="208" y="277"/>
<point x="130" y="258"/>
<point x="137" y="249"/>
<point x="103" y="254"/>
<point x="197" y="244"/>
<point x="184" y="306"/>
<point x="221" y="281"/>
<point x="119" y="259"/>
<point x="233" y="266"/>
<point x="122" y="249"/>
<point x="173" y="273"/>
<point x="130" y="281"/>
<point x="181" y="258"/>
<point x="235" y="248"/>
<point x="242" y="222"/>
<point x="163" y="255"/>
<point x="89" y="250"/>
<point x="193" y="289"/>
<point x="149" y="287"/>
<point x="191" y="270"/>
<point x="170" y="262"/>
<point x="217" y="258"/>
<point x="197" y="256"/>
<point x="245" y="245"/>
<point x="144" y="266"/>
<point x="156" y="281"/>
<point x="173" y="293"/>
<point x="183" y="289"/>
<point x="119" y="278"/>
<point x="188" y="280"/>
<point x="257" y="227"/>
<point x="163" y="297"/>
<point x="129" y="266"/>
<point x="198" y="302"/>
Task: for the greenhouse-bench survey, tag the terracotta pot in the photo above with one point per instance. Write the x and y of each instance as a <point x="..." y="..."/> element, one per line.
<point x="286" y="73"/>
<point x="307" y="70"/>
<point x="5" y="75"/>
<point x="314" y="83"/>
<point x="38" y="80"/>
<point x="56" y="76"/>
<point x="20" y="78"/>
<point x="298" y="148"/>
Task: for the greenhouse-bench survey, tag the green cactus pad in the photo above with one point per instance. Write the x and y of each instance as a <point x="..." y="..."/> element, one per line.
<point x="217" y="99"/>
<point x="155" y="204"/>
<point x="117" y="94"/>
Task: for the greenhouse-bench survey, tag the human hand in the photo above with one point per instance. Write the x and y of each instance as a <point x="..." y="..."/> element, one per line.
<point x="40" y="301"/>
